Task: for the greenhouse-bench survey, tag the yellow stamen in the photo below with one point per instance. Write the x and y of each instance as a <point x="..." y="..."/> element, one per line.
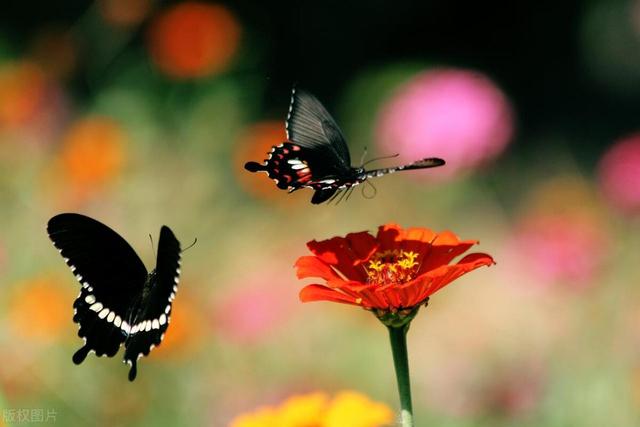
<point x="392" y="267"/>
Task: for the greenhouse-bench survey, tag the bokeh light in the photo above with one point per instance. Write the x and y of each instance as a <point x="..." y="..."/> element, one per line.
<point x="39" y="309"/>
<point x="561" y="237"/>
<point x="194" y="39"/>
<point x="458" y="115"/>
<point x="619" y="174"/>
<point x="56" y="52"/>
<point x="32" y="106"/>
<point x="93" y="153"/>
<point x="125" y="13"/>
<point x="255" y="307"/>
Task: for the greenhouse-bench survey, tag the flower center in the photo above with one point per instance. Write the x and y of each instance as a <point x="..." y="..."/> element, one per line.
<point x="392" y="267"/>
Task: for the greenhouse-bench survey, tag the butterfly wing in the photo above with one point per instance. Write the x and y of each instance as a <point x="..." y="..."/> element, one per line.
<point x="152" y="318"/>
<point x="112" y="276"/>
<point x="293" y="167"/>
<point x="310" y="126"/>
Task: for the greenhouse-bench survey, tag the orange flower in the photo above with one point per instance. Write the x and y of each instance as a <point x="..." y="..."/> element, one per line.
<point x="194" y="39"/>
<point x="394" y="272"/>
<point x="125" y="13"/>
<point x="23" y="87"/>
<point x="40" y="309"/>
<point x="185" y="333"/>
<point x="93" y="152"/>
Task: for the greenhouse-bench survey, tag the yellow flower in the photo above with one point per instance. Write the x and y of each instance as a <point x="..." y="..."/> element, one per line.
<point x="353" y="409"/>
<point x="347" y="408"/>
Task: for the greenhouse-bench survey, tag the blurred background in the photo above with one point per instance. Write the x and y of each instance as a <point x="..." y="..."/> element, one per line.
<point x="142" y="113"/>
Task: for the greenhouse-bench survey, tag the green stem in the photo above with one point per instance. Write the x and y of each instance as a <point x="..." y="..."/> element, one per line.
<point x="398" y="337"/>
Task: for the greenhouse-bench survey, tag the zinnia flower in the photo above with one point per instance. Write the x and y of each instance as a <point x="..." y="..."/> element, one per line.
<point x="347" y="408"/>
<point x="457" y="114"/>
<point x="194" y="39"/>
<point x="391" y="274"/>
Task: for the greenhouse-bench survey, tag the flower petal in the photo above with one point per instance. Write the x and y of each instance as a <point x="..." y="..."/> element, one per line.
<point x="444" y="248"/>
<point x="416" y="291"/>
<point x="322" y="293"/>
<point x="311" y="266"/>
<point x="389" y="236"/>
<point x="346" y="253"/>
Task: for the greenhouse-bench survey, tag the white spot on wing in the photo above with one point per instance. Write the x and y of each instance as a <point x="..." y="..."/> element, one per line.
<point x="96" y="307"/>
<point x="90" y="299"/>
<point x="111" y="316"/>
<point x="103" y="313"/>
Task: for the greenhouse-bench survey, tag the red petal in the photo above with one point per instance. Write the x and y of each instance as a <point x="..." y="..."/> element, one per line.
<point x="434" y="280"/>
<point x="346" y="253"/>
<point x="321" y="293"/>
<point x="444" y="249"/>
<point x="477" y="260"/>
<point x="311" y="266"/>
<point x="389" y="236"/>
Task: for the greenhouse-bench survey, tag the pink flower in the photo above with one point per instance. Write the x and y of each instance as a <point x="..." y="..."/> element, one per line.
<point x="561" y="248"/>
<point x="253" y="310"/>
<point x="619" y="172"/>
<point x="458" y="115"/>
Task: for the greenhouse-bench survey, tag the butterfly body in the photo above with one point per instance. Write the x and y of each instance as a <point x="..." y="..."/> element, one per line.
<point x="316" y="155"/>
<point x="119" y="302"/>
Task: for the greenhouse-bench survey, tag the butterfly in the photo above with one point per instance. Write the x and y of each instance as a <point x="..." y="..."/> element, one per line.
<point x="317" y="155"/>
<point x="119" y="302"/>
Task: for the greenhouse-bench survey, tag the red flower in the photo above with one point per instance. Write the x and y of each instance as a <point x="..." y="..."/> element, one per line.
<point x="394" y="271"/>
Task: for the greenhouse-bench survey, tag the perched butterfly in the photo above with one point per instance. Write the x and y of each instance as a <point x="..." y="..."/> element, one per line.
<point x="119" y="302"/>
<point x="317" y="155"/>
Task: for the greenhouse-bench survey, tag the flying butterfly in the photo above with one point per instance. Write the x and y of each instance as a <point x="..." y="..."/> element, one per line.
<point x="119" y="302"/>
<point x="316" y="155"/>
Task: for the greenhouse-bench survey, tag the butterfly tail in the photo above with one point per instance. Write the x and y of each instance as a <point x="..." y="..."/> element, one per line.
<point x="254" y="167"/>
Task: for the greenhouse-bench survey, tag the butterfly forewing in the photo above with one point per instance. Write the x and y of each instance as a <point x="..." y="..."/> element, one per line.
<point x="111" y="275"/>
<point x="310" y="126"/>
<point x="152" y="321"/>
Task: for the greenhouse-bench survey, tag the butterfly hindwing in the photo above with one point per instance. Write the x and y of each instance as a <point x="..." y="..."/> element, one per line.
<point x="292" y="167"/>
<point x="151" y="322"/>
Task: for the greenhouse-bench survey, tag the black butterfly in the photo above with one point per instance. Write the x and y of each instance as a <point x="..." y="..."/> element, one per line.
<point x="317" y="156"/>
<point x="119" y="302"/>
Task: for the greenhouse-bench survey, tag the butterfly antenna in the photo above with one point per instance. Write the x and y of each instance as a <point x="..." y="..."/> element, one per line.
<point x="380" y="158"/>
<point x="191" y="245"/>
<point x="364" y="154"/>
<point x="153" y="249"/>
<point x="375" y="190"/>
